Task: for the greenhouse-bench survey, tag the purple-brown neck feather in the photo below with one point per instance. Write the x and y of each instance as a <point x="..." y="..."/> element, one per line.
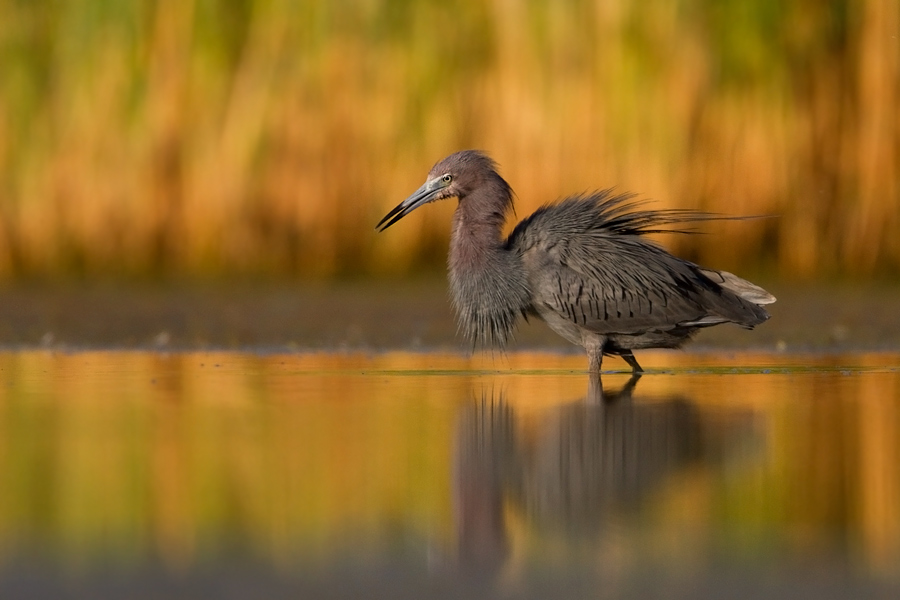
<point x="487" y="281"/>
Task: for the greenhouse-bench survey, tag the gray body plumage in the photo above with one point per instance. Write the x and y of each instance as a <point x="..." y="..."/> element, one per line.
<point x="582" y="265"/>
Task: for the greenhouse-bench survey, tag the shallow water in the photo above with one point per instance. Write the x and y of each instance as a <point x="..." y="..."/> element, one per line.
<point x="410" y="474"/>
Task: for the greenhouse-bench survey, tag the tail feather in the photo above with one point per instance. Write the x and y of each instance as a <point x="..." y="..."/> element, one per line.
<point x="741" y="287"/>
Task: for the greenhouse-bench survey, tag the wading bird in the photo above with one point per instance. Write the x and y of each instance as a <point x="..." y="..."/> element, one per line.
<point x="582" y="265"/>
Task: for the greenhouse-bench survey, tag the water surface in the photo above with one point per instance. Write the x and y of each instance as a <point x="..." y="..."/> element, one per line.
<point x="408" y="474"/>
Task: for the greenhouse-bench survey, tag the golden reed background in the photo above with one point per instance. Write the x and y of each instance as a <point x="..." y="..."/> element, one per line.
<point x="268" y="136"/>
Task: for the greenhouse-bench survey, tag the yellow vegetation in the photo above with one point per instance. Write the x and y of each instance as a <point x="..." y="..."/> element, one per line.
<point x="268" y="136"/>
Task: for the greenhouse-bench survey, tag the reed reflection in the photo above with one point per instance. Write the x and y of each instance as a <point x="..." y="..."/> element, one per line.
<point x="184" y="458"/>
<point x="584" y="466"/>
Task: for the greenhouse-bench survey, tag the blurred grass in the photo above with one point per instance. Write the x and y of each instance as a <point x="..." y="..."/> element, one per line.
<point x="267" y="137"/>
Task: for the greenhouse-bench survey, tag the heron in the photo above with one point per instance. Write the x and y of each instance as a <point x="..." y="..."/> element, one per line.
<point x="583" y="265"/>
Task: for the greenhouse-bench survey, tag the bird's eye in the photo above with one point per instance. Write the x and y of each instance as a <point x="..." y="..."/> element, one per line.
<point x="447" y="178"/>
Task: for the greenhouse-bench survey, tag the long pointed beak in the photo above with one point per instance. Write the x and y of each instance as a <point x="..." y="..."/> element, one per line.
<point x="427" y="193"/>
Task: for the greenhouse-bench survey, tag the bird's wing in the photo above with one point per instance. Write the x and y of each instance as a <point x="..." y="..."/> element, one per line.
<point x="586" y="260"/>
<point x="616" y="285"/>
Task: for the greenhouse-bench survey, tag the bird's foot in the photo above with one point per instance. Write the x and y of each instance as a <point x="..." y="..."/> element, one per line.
<point x="632" y="362"/>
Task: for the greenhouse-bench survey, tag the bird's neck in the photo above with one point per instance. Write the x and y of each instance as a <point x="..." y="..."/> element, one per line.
<point x="478" y="226"/>
<point x="487" y="281"/>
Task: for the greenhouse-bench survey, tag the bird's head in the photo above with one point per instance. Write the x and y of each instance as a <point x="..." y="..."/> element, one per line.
<point x="455" y="176"/>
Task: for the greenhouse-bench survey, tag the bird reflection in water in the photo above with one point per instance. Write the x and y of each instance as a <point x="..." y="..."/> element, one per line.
<point x="589" y="463"/>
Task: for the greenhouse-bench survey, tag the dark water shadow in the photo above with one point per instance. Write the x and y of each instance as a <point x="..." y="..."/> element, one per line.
<point x="590" y="464"/>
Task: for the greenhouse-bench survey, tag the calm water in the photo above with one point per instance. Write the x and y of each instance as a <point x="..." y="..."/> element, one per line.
<point x="419" y="474"/>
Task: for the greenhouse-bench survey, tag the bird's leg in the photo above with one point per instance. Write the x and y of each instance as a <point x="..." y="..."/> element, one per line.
<point x="594" y="350"/>
<point x="628" y="357"/>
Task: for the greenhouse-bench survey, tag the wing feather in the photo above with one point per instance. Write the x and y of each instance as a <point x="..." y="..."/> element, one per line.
<point x="587" y="261"/>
